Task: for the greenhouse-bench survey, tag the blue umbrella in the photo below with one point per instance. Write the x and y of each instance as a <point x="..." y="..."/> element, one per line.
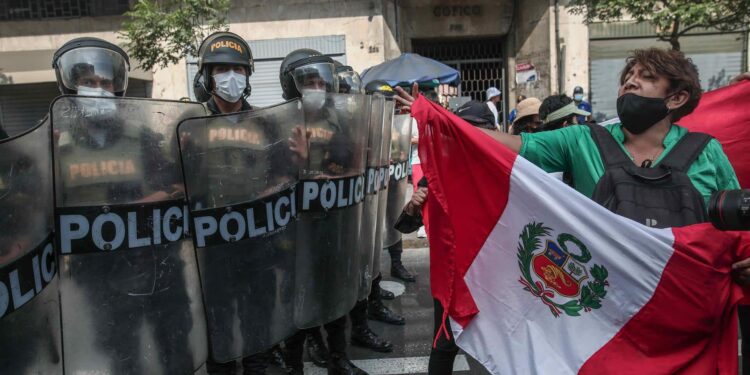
<point x="409" y="68"/>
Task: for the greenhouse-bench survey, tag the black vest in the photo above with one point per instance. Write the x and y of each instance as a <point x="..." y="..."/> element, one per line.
<point x="662" y="196"/>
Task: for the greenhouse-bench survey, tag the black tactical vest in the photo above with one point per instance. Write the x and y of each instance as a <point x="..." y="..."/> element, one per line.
<point x="661" y="196"/>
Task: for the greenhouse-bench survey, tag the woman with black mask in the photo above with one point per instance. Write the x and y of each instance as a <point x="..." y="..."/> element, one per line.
<point x="657" y="88"/>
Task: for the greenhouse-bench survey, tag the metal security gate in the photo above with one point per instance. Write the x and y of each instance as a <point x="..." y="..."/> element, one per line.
<point x="480" y="61"/>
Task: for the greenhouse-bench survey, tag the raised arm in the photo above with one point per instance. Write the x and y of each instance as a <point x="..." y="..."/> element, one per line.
<point x="405" y="101"/>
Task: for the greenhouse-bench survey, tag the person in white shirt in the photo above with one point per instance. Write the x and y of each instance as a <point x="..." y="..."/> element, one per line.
<point x="493" y="97"/>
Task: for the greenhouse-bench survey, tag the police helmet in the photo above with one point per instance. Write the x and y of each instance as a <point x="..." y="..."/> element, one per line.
<point x="381" y="87"/>
<point x="221" y="47"/>
<point x="349" y="80"/>
<point x="91" y="63"/>
<point x="307" y="69"/>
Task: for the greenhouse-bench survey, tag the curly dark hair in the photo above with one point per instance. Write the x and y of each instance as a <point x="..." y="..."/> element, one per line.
<point x="675" y="67"/>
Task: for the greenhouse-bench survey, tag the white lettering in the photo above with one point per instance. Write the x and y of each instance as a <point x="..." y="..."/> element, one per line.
<point x="309" y="192"/>
<point x="19" y="298"/>
<point x="37" y="274"/>
<point x="204" y="227"/>
<point x="96" y="231"/>
<point x="253" y="231"/>
<point x="343" y="201"/>
<point x="269" y="216"/>
<point x="4" y="299"/>
<point x="48" y="272"/>
<point x="173" y="213"/>
<point x="133" y="240"/>
<point x="156" y="226"/>
<point x="328" y="195"/>
<point x="224" y="226"/>
<point x="359" y="190"/>
<point x="282" y="220"/>
<point x="68" y="234"/>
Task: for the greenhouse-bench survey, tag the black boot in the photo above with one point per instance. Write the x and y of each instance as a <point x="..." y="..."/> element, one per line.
<point x="386" y="295"/>
<point x="363" y="336"/>
<point x="378" y="311"/>
<point x="277" y="358"/>
<point x="316" y="348"/>
<point x="340" y="365"/>
<point x="400" y="272"/>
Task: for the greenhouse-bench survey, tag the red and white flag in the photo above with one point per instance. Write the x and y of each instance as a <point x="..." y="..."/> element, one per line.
<point x="723" y="114"/>
<point x="539" y="279"/>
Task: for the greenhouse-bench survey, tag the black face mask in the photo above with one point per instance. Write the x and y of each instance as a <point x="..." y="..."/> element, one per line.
<point x="638" y="113"/>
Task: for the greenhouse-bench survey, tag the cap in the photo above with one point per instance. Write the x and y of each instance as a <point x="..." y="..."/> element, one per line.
<point x="493" y="92"/>
<point x="578" y="90"/>
<point x="476" y="113"/>
<point x="527" y="107"/>
<point x="570" y="109"/>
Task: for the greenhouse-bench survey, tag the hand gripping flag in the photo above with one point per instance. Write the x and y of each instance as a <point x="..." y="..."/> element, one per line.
<point x="539" y="279"/>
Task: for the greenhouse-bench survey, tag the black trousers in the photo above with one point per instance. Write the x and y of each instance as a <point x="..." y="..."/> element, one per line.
<point x="336" y="342"/>
<point x="396" y="250"/>
<point x="444" y="352"/>
<point x="358" y="315"/>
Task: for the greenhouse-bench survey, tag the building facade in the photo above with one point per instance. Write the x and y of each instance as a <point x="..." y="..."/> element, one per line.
<point x="529" y="47"/>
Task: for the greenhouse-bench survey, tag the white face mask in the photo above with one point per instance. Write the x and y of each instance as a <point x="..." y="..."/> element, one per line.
<point x="313" y="99"/>
<point x="93" y="91"/>
<point x="230" y="85"/>
<point x="96" y="109"/>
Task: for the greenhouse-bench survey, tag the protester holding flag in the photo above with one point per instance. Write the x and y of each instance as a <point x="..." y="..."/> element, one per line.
<point x="617" y="313"/>
<point x="444" y="349"/>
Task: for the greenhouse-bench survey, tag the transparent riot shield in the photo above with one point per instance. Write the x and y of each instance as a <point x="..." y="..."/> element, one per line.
<point x="129" y="286"/>
<point x="331" y="192"/>
<point x="397" y="185"/>
<point x="383" y="175"/>
<point x="240" y="173"/>
<point x="29" y="302"/>
<point x="372" y="191"/>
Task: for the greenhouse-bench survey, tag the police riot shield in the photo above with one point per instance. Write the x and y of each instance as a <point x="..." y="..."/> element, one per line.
<point x="385" y="159"/>
<point x="129" y="290"/>
<point x="331" y="192"/>
<point x="397" y="185"/>
<point x="240" y="173"/>
<point x="373" y="181"/>
<point x="29" y="302"/>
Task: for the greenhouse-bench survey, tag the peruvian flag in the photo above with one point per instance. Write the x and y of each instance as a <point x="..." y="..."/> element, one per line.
<point x="539" y="279"/>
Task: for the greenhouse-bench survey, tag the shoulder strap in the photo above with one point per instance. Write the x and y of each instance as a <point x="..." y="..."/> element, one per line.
<point x="687" y="149"/>
<point x="611" y="153"/>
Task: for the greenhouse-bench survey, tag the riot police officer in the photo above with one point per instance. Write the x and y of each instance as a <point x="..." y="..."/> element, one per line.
<point x="361" y="334"/>
<point x="104" y="158"/>
<point x="225" y="64"/>
<point x="306" y="72"/>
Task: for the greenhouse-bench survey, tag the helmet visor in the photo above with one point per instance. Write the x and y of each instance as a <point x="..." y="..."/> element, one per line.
<point x="316" y="77"/>
<point x="94" y="67"/>
<point x="350" y="80"/>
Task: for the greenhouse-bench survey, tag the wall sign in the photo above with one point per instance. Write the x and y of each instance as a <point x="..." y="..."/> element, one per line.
<point x="457" y="11"/>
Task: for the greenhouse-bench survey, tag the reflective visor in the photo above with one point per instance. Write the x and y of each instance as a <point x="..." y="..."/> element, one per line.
<point x="350" y="82"/>
<point x="318" y="76"/>
<point x="94" y="67"/>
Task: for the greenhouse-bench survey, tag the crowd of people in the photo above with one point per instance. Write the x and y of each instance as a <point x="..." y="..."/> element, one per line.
<point x="657" y="88"/>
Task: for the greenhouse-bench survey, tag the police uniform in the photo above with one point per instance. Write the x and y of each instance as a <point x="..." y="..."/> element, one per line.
<point x="118" y="165"/>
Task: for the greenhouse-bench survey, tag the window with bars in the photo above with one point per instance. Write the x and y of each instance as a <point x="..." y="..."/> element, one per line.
<point x="16" y="10"/>
<point x="479" y="60"/>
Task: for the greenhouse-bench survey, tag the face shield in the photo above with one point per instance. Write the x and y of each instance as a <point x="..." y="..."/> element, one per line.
<point x="318" y="77"/>
<point x="349" y="82"/>
<point x="89" y="70"/>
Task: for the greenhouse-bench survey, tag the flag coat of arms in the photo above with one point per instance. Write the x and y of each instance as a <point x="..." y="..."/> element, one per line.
<point x="539" y="279"/>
